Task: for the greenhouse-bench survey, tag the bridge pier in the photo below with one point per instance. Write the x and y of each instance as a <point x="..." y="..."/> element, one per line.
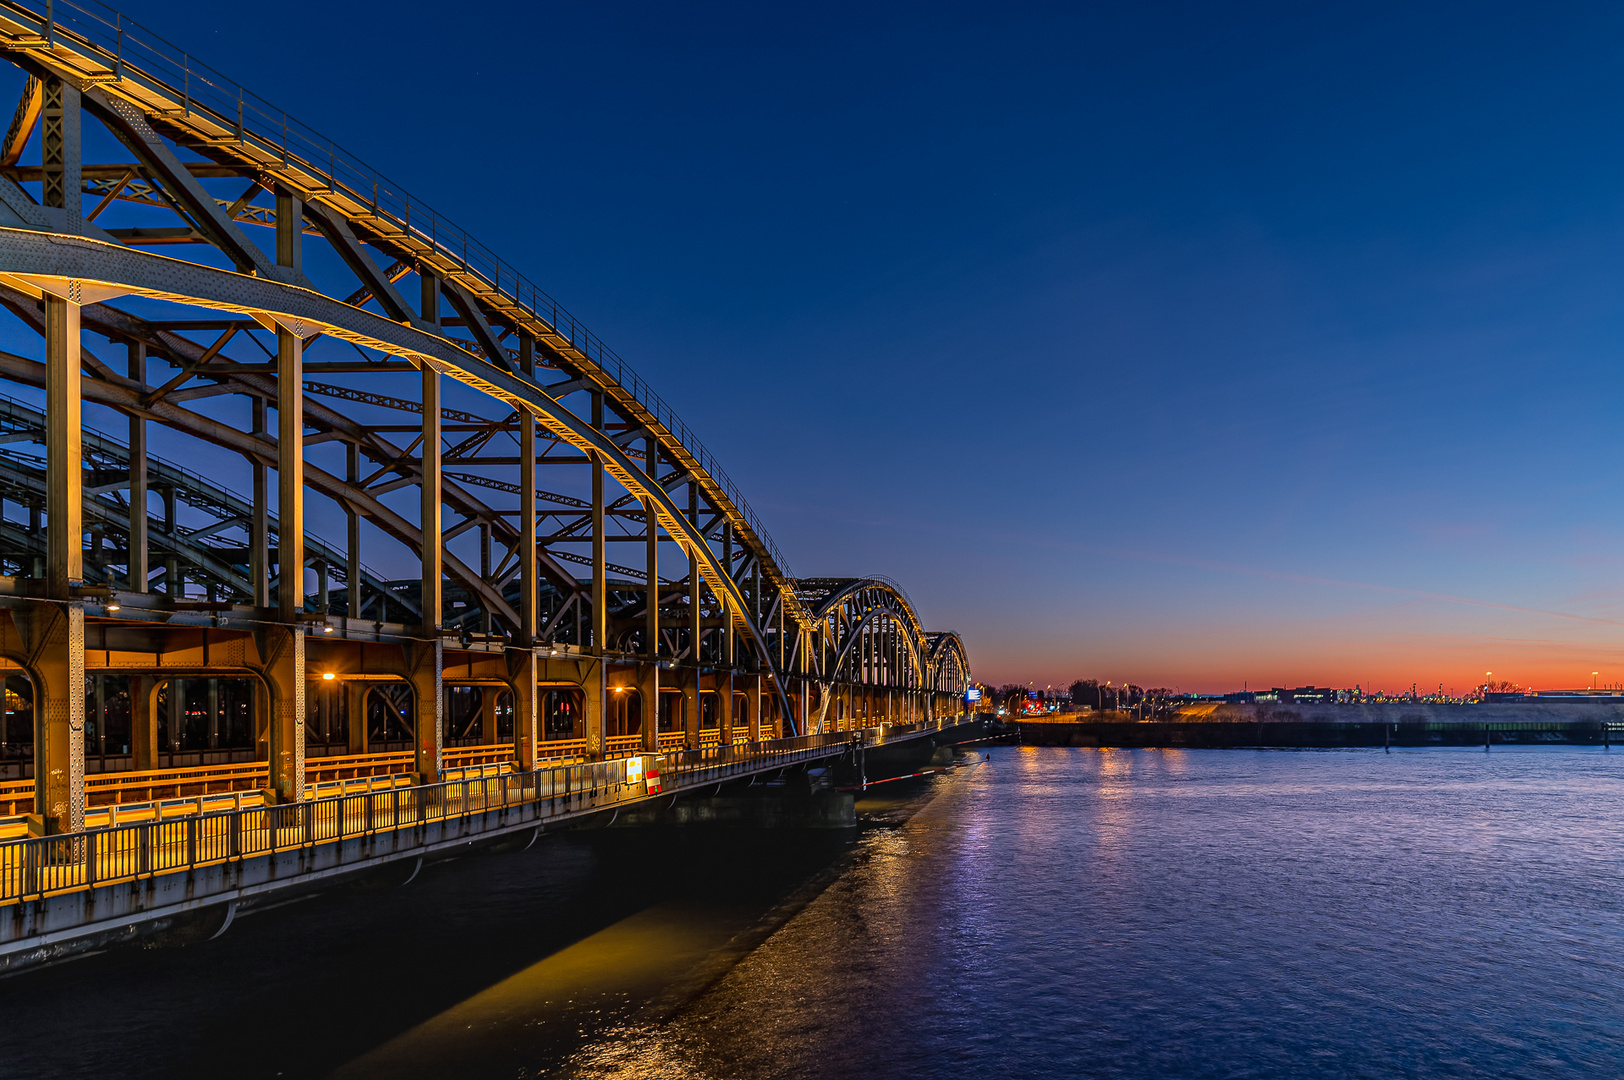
<point x="489" y="697"/>
<point x="595" y="693"/>
<point x="724" y="705"/>
<point x="648" y="692"/>
<point x="356" y="697"/>
<point x="521" y="665"/>
<point x="689" y="681"/>
<point x="144" y="722"/>
<point x="425" y="671"/>
<point x="53" y="640"/>
<point x="283" y="654"/>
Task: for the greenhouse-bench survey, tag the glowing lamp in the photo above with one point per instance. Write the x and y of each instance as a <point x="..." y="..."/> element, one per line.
<point x="328" y="676"/>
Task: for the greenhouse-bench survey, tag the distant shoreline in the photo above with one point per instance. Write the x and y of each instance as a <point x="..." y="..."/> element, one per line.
<point x="1385" y="724"/>
<point x="1386" y="712"/>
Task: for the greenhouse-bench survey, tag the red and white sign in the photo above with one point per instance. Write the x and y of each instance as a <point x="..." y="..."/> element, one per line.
<point x="652" y="779"/>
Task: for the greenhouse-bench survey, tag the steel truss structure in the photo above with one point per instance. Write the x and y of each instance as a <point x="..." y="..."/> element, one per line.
<point x="570" y="532"/>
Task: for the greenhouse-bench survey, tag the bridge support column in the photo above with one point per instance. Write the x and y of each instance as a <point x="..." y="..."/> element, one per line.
<point x="144" y="722"/>
<point x="752" y="702"/>
<point x="55" y="632"/>
<point x="259" y="524"/>
<point x="137" y="368"/>
<point x="690" y="709"/>
<point x="648" y="691"/>
<point x="527" y="512"/>
<point x="64" y="476"/>
<point x="595" y="694"/>
<point x="431" y="551"/>
<point x="55" y="636"/>
<point x="352" y="537"/>
<point x="355" y="715"/>
<point x="290" y="435"/>
<point x="425" y="665"/>
<point x="724" y="705"/>
<point x="648" y="684"/>
<point x="597" y="687"/>
<point x="522" y="678"/>
<point x="282" y="650"/>
<point x="488" y="696"/>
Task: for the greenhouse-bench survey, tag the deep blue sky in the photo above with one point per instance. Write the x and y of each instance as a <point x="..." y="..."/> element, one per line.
<point x="1187" y="344"/>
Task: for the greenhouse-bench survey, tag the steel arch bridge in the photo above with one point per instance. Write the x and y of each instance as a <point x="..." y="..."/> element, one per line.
<point x="205" y="270"/>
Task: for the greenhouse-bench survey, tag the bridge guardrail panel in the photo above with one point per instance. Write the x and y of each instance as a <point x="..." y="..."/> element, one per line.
<point x="39" y="866"/>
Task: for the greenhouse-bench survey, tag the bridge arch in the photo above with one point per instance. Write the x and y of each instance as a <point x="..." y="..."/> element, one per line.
<point x="524" y="421"/>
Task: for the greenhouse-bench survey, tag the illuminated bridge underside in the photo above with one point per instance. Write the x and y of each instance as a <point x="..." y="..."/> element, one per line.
<point x="193" y="260"/>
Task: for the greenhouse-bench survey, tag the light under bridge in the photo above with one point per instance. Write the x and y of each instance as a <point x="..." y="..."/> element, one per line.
<point x="306" y="342"/>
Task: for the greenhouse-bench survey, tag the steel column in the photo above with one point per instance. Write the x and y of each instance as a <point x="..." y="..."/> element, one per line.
<point x="597" y="696"/>
<point x="522" y="664"/>
<point x="56" y="641"/>
<point x="648" y="692"/>
<point x="355" y="717"/>
<point x="143" y="722"/>
<point x="522" y="679"/>
<point x="527" y="503"/>
<point x="289" y="474"/>
<point x="724" y="705"/>
<point x="352" y="469"/>
<point x="651" y="567"/>
<point x="425" y="661"/>
<point x="429" y="520"/>
<point x="64" y="471"/>
<point x="487" y="714"/>
<point x="290" y="437"/>
<point x="283" y="648"/>
<point x="137" y="369"/>
<point x="62" y="184"/>
<point x="259" y="527"/>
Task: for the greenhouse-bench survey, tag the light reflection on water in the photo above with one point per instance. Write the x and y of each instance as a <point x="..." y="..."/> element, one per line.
<point x="1198" y="914"/>
<point x="1112" y="913"/>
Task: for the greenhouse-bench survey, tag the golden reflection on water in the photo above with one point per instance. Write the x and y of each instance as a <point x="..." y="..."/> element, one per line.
<point x="651" y="960"/>
<point x="635" y="1052"/>
<point x="693" y="992"/>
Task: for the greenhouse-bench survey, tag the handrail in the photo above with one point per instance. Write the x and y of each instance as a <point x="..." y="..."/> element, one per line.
<point x="36" y="867"/>
<point x="234" y="117"/>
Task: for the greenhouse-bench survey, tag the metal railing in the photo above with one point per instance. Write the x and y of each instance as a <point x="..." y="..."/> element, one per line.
<point x="204" y="97"/>
<point x="37" y="867"/>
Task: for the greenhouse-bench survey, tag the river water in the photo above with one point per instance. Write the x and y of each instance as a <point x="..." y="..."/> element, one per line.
<point x="1036" y="913"/>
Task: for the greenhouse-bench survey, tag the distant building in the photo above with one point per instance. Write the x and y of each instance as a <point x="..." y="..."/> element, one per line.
<point x="1299" y="695"/>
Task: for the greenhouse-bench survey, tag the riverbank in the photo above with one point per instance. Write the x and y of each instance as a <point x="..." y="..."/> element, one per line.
<point x="1120" y="730"/>
<point x="1389" y="712"/>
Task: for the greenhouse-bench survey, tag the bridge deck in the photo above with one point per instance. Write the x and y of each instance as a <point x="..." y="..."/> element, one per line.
<point x="134" y="795"/>
<point x="61" y="887"/>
